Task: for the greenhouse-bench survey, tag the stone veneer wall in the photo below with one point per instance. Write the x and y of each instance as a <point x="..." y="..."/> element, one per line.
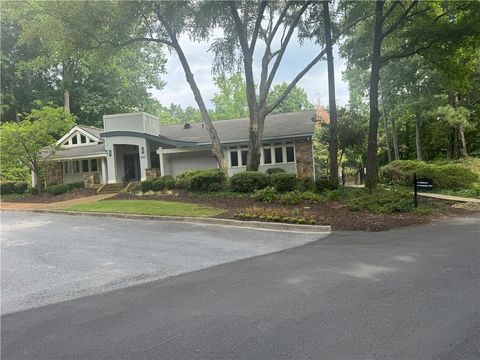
<point x="54" y="173"/>
<point x="304" y="157"/>
<point x="152" y="173"/>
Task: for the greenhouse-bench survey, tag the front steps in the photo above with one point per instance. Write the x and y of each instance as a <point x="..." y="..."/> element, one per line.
<point x="110" y="189"/>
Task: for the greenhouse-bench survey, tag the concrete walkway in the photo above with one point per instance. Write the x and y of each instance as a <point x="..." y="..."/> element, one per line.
<point x="50" y="206"/>
<point x="449" y="197"/>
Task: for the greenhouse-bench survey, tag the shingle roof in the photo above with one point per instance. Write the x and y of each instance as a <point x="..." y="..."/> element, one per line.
<point x="91" y="130"/>
<point x="78" y="151"/>
<point x="276" y="126"/>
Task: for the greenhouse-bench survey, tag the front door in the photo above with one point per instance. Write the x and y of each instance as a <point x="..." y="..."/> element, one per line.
<point x="131" y="164"/>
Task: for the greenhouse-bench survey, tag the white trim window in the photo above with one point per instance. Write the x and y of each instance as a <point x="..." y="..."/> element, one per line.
<point x="278" y="153"/>
<point x="271" y="154"/>
<point x="80" y="166"/>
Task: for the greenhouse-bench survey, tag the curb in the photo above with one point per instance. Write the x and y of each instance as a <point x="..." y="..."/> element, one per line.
<point x="258" y="225"/>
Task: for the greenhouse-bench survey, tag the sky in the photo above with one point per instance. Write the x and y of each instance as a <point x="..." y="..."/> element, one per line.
<point x="315" y="82"/>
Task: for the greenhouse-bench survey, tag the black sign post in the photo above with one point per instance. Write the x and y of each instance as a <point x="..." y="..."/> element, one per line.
<point x="422" y="184"/>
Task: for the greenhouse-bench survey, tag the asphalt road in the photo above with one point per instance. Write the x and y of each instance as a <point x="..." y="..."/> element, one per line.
<point x="49" y="258"/>
<point x="403" y="294"/>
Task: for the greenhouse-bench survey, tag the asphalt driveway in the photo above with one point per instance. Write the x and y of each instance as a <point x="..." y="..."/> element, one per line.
<point x="47" y="258"/>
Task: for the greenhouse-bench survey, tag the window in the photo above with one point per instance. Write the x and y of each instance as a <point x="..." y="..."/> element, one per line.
<point x="76" y="166"/>
<point x="84" y="165"/>
<point x="66" y="143"/>
<point x="278" y="155"/>
<point x="267" y="156"/>
<point x="66" y="167"/>
<point x="290" y="154"/>
<point x="93" y="165"/>
<point x="244" y="157"/>
<point x="90" y="140"/>
<point x="74" y="140"/>
<point x="233" y="158"/>
<point x="83" y="139"/>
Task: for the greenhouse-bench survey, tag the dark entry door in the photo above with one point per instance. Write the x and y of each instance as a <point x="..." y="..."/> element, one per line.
<point x="131" y="164"/>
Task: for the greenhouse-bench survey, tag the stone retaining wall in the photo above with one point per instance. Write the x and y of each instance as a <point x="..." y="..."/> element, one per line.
<point x="304" y="157"/>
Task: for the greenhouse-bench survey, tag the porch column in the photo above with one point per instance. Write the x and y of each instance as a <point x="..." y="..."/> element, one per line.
<point x="34" y="180"/>
<point x="143" y="149"/>
<point x="160" y="155"/>
<point x="111" y="163"/>
<point x="103" y="166"/>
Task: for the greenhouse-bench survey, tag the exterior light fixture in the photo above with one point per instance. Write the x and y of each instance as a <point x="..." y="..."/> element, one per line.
<point x="143" y="150"/>
<point x="109" y="152"/>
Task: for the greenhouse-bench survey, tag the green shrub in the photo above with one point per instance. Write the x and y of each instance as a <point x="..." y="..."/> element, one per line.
<point x="208" y="180"/>
<point x="382" y="201"/>
<point x="20" y="187"/>
<point x="311" y="196"/>
<point x="274" y="170"/>
<point x="291" y="198"/>
<point x="266" y="195"/>
<point x="324" y="184"/>
<point x="306" y="183"/>
<point x="58" y="189"/>
<point x="332" y="195"/>
<point x="158" y="184"/>
<point x="283" y="182"/>
<point x="169" y="182"/>
<point x="133" y="188"/>
<point x="182" y="181"/>
<point x="452" y="176"/>
<point x="7" y="187"/>
<point x="146" y="186"/>
<point x="75" y="185"/>
<point x="248" y="181"/>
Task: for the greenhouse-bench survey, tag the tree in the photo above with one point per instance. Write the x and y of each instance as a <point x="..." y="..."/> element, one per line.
<point x="32" y="142"/>
<point x="230" y="102"/>
<point x="296" y="100"/>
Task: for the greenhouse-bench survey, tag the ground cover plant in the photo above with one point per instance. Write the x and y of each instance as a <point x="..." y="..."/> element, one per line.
<point x="285" y="215"/>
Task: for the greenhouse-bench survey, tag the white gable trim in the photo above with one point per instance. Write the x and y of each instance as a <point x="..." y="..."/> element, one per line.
<point x="75" y="129"/>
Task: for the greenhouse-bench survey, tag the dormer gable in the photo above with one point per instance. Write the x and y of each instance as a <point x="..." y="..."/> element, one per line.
<point x="78" y="137"/>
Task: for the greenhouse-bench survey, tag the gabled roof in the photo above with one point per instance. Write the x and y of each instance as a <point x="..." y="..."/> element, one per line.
<point x="80" y="151"/>
<point x="278" y="126"/>
<point x="94" y="131"/>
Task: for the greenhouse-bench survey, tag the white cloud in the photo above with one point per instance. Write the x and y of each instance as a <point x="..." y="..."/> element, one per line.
<point x="315" y="82"/>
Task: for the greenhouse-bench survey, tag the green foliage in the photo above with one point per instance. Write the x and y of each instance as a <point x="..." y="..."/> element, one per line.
<point x="283" y="182"/>
<point x="274" y="170"/>
<point x="383" y="201"/>
<point x="20" y="187"/>
<point x="169" y="182"/>
<point x="332" y="195"/>
<point x="291" y="198"/>
<point x="210" y="180"/>
<point x="158" y="184"/>
<point x="248" y="181"/>
<point x="58" y="189"/>
<point x="76" y="185"/>
<point x="231" y="101"/>
<point x="182" y="181"/>
<point x="265" y="195"/>
<point x="297" y="99"/>
<point x="311" y="196"/>
<point x="146" y="186"/>
<point x="7" y="187"/>
<point x="306" y="183"/>
<point x="286" y="215"/>
<point x="444" y="176"/>
<point x="323" y="184"/>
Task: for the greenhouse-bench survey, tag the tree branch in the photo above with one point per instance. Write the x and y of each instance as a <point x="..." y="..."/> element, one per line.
<point x="390" y="9"/>
<point x="386" y="59"/>
<point x="258" y="23"/>
<point x="142" y="38"/>
<point x="242" y="34"/>
<point x="400" y="19"/>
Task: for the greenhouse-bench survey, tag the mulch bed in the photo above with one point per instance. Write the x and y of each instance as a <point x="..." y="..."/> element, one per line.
<point x="332" y="213"/>
<point x="48" y="198"/>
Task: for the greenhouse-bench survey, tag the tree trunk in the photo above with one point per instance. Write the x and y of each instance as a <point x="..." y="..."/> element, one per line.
<point x="418" y="145"/>
<point x="463" y="150"/>
<point x="255" y="142"/>
<point x="212" y="132"/>
<point x="387" y="141"/>
<point x="395" y="139"/>
<point x="372" y="165"/>
<point x="66" y="101"/>
<point x="332" y="144"/>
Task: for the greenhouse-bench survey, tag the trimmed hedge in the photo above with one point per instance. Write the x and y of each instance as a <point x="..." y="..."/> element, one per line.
<point x="283" y="182"/>
<point x="169" y="182"/>
<point x="58" y="189"/>
<point x="248" y="181"/>
<point x="146" y="186"/>
<point x="158" y="184"/>
<point x="381" y="201"/>
<point x="208" y="180"/>
<point x="76" y="185"/>
<point x="274" y="170"/>
<point x="182" y="181"/>
<point x="20" y="187"/>
<point x="446" y="176"/>
<point x="7" y="187"/>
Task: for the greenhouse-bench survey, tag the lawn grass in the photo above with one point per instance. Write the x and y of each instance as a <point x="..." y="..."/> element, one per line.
<point x="146" y="207"/>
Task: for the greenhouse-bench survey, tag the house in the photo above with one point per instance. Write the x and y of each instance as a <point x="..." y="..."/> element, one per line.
<point x="134" y="147"/>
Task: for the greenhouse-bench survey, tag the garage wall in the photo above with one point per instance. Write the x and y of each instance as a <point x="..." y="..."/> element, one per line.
<point x="175" y="164"/>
